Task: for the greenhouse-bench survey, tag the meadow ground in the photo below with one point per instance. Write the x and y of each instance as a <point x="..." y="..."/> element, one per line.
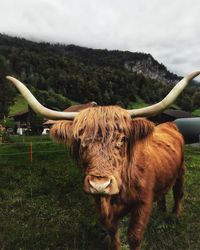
<point x="42" y="205"/>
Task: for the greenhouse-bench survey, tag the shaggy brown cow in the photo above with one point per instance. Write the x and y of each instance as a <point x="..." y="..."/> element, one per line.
<point x="127" y="163"/>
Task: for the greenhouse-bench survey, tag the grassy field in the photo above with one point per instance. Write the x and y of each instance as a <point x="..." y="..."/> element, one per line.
<point x="42" y="205"/>
<point x="19" y="105"/>
<point x="196" y="112"/>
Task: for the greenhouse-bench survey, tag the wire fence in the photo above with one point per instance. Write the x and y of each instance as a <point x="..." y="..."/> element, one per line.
<point x="31" y="148"/>
<point x="21" y="142"/>
<point x="28" y="152"/>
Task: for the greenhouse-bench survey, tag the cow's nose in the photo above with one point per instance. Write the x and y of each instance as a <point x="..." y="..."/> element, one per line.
<point x="99" y="184"/>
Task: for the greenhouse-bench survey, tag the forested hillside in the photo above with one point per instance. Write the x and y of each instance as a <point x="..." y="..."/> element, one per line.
<point x="82" y="75"/>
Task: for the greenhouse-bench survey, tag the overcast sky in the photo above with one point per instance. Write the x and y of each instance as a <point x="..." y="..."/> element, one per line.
<point x="168" y="29"/>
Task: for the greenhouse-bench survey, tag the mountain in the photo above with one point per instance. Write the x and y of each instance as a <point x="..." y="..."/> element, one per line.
<point x="134" y="61"/>
<point x="84" y="74"/>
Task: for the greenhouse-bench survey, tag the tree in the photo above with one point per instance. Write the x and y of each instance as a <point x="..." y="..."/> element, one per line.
<point x="196" y="99"/>
<point x="6" y="90"/>
<point x="35" y="122"/>
<point x="185" y="102"/>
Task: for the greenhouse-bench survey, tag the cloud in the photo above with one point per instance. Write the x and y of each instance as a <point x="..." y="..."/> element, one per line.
<point x="168" y="29"/>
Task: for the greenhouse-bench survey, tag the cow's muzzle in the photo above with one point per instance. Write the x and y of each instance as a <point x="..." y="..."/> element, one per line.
<point x="101" y="185"/>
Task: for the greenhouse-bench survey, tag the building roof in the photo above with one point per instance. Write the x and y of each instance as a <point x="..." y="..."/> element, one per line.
<point x="79" y="107"/>
<point x="177" y="113"/>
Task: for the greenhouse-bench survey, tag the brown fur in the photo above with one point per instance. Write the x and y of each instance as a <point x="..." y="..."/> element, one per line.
<point x="143" y="160"/>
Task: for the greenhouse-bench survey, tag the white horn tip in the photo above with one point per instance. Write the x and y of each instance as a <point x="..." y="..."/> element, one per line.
<point x="193" y="75"/>
<point x="9" y="77"/>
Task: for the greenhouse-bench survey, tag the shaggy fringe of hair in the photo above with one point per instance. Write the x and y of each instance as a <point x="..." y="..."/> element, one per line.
<point x="101" y="122"/>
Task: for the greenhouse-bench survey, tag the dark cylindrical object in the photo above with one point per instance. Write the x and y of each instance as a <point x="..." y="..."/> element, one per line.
<point x="190" y="128"/>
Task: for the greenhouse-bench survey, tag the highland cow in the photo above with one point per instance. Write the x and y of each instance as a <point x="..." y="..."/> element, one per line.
<point x="127" y="161"/>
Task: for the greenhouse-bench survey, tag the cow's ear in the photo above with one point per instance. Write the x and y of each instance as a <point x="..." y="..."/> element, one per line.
<point x="141" y="128"/>
<point x="61" y="131"/>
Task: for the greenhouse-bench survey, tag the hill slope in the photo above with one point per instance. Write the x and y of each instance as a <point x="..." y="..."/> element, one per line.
<point x="83" y="74"/>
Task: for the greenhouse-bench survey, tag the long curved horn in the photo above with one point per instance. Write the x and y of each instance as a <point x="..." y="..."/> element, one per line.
<point x="157" y="108"/>
<point x="39" y="108"/>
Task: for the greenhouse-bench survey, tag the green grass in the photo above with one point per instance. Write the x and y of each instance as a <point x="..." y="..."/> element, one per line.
<point x="196" y="112"/>
<point x="42" y="205"/>
<point x="19" y="105"/>
<point x="139" y="103"/>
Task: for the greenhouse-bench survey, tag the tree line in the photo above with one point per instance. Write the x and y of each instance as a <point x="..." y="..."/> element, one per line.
<point x="79" y="74"/>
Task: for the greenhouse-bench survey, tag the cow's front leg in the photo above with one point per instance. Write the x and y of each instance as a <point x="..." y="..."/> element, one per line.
<point x="139" y="219"/>
<point x="108" y="220"/>
<point x="114" y="239"/>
